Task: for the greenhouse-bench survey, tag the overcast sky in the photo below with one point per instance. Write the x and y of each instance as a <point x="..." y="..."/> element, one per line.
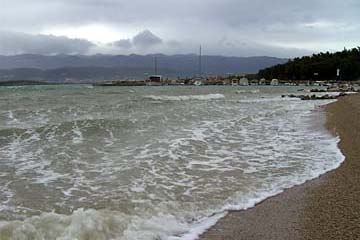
<point x="282" y="28"/>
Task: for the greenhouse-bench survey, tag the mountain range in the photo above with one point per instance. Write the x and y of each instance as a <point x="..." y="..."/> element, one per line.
<point x="84" y="68"/>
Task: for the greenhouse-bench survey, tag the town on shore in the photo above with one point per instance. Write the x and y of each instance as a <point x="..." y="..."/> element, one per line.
<point x="234" y="80"/>
<point x="323" y="69"/>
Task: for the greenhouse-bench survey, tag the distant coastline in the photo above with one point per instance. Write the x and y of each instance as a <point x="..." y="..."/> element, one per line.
<point x="95" y="68"/>
<point x="34" y="83"/>
<point x="23" y="83"/>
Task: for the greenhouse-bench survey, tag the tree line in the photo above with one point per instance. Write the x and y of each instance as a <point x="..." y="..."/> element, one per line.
<point x="322" y="66"/>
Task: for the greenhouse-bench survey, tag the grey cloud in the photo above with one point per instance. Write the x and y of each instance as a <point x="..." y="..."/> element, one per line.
<point x="123" y="43"/>
<point x="224" y="46"/>
<point x="230" y="12"/>
<point x="19" y="43"/>
<point x="262" y="22"/>
<point x="146" y="39"/>
<point x="230" y="47"/>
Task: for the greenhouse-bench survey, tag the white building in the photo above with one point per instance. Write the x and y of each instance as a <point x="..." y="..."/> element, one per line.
<point x="262" y="81"/>
<point x="274" y="82"/>
<point x="234" y="82"/>
<point x="244" y="82"/>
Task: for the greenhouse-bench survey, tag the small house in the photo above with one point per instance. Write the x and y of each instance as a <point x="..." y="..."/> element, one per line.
<point x="262" y="81"/>
<point x="244" y="82"/>
<point x="274" y="82"/>
<point x="234" y="82"/>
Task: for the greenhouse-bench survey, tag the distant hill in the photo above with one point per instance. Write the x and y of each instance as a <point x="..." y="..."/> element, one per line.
<point x="322" y="66"/>
<point x="106" y="67"/>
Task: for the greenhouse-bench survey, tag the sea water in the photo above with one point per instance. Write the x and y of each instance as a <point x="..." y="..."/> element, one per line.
<point x="78" y="162"/>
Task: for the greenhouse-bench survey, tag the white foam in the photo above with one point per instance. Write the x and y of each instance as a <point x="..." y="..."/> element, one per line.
<point x="94" y="224"/>
<point x="254" y="91"/>
<point x="109" y="140"/>
<point x="78" y="137"/>
<point x="200" y="227"/>
<point x="167" y="176"/>
<point x="13" y="121"/>
<point x="246" y="201"/>
<point x="186" y="97"/>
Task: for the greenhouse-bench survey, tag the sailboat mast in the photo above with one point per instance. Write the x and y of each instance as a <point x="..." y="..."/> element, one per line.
<point x="155" y="65"/>
<point x="200" y="56"/>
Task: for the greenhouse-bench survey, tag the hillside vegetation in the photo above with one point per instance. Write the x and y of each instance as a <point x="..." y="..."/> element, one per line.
<point x="322" y="66"/>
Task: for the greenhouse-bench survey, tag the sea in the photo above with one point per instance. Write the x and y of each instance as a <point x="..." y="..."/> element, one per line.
<point x="150" y="163"/>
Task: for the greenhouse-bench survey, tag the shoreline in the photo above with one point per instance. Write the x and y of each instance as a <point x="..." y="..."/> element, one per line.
<point x="327" y="207"/>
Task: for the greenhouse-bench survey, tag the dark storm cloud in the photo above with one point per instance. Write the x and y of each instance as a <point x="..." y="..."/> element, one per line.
<point x="276" y="24"/>
<point x="18" y="43"/>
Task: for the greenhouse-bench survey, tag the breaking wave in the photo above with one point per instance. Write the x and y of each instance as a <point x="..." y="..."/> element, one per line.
<point x="186" y="97"/>
<point x="254" y="91"/>
<point x="107" y="166"/>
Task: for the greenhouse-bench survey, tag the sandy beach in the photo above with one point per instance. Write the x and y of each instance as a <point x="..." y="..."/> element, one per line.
<point x="324" y="208"/>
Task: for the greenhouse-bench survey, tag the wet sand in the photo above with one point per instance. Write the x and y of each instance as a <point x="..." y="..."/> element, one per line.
<point x="324" y="208"/>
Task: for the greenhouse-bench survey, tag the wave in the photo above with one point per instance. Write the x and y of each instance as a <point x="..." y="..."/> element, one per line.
<point x="248" y="91"/>
<point x="186" y="97"/>
<point x="94" y="224"/>
<point x="168" y="183"/>
<point x="159" y="223"/>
